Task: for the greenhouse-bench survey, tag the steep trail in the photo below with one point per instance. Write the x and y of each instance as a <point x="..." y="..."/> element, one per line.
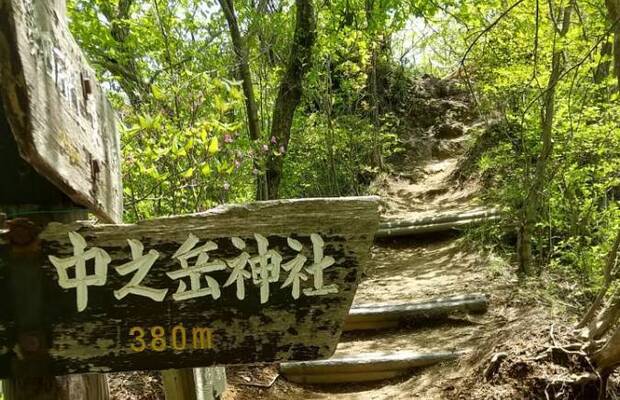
<point x="415" y="270"/>
<point x="410" y="269"/>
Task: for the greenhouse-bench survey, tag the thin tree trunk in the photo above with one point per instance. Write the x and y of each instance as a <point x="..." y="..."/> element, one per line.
<point x="291" y="90"/>
<point x="377" y="155"/>
<point x="330" y="130"/>
<point x="602" y="70"/>
<point x="613" y="13"/>
<point x="531" y="207"/>
<point x="245" y="74"/>
<point x="124" y="67"/>
<point x="243" y="67"/>
<point x="265" y="36"/>
<point x="171" y="66"/>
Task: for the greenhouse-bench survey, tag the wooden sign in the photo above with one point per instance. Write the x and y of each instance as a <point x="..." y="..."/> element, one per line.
<point x="266" y="282"/>
<point x="60" y="118"/>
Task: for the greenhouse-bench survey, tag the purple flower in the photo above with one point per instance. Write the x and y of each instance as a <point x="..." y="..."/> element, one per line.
<point x="265" y="147"/>
<point x="228" y="138"/>
<point x="282" y="150"/>
<point x="273" y="140"/>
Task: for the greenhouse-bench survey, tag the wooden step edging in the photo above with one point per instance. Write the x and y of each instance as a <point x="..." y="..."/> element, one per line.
<point x="363" y="367"/>
<point x="412" y="230"/>
<point x="382" y="316"/>
<point x="439" y="218"/>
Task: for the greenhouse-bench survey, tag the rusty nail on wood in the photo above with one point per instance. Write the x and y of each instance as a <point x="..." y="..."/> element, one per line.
<point x="21" y="232"/>
<point x="87" y="88"/>
<point x="95" y="166"/>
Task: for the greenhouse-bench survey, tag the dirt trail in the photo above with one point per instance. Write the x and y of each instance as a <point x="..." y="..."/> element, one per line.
<point x="403" y="270"/>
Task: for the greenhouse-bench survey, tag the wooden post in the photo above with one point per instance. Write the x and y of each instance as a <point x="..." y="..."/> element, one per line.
<point x="73" y="387"/>
<point x="26" y="386"/>
<point x="179" y="384"/>
<point x="194" y="383"/>
<point x="210" y="382"/>
<point x="29" y="195"/>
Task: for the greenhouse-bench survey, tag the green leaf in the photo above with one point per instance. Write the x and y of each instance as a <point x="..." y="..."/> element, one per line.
<point x="213" y="146"/>
<point x="220" y="104"/>
<point x="206" y="170"/>
<point x="223" y="166"/>
<point x="153" y="173"/>
<point x="157" y="93"/>
<point x="188" y="174"/>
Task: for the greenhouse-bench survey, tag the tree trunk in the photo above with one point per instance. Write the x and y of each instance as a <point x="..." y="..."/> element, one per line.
<point x="608" y="356"/>
<point x="377" y="154"/>
<point x="262" y="30"/>
<point x="613" y="14"/>
<point x="243" y="67"/>
<point x="245" y="74"/>
<point x="531" y="206"/>
<point x="606" y="319"/>
<point x="602" y="70"/>
<point x="291" y="90"/>
<point x="608" y="269"/>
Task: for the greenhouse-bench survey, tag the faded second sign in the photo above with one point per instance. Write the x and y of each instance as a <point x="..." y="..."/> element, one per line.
<point x="62" y="123"/>
<point x="269" y="281"/>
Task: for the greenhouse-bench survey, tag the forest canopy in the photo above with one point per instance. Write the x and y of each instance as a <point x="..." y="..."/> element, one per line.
<point x="229" y="101"/>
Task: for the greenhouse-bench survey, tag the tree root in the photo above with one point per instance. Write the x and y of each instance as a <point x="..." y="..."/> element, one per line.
<point x="494" y="365"/>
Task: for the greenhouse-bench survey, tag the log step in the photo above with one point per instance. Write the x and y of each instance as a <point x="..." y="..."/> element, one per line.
<point x="382" y="316"/>
<point x="439" y="218"/>
<point x="413" y="229"/>
<point x="365" y="367"/>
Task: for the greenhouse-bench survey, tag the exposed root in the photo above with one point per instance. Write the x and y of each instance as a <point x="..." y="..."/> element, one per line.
<point x="554" y="371"/>
<point x="494" y="365"/>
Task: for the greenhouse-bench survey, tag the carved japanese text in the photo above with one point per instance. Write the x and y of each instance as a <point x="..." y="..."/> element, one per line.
<point x="194" y="268"/>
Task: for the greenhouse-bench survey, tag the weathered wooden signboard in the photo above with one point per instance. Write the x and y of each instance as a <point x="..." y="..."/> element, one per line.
<point x="268" y="281"/>
<point x="61" y="120"/>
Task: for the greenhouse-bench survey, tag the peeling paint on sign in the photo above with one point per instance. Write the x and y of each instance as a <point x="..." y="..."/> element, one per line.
<point x="131" y="297"/>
